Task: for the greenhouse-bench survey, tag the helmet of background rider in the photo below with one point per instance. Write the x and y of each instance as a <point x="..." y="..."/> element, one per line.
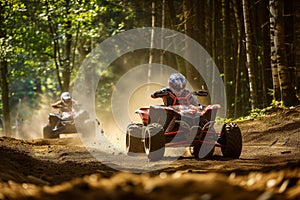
<point x="66" y="98"/>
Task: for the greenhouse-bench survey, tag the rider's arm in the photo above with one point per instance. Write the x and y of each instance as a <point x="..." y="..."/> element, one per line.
<point x="160" y="93"/>
<point x="57" y="105"/>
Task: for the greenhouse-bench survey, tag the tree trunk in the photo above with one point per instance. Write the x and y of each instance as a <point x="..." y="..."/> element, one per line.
<point x="66" y="68"/>
<point x="170" y="21"/>
<point x="260" y="38"/>
<point x="228" y="72"/>
<point x="273" y="56"/>
<point x="296" y="39"/>
<point x="238" y="56"/>
<point x="163" y="15"/>
<point x="213" y="31"/>
<point x="249" y="56"/>
<point x="62" y="49"/>
<point x="153" y="21"/>
<point x="200" y="29"/>
<point x="5" y="97"/>
<point x="265" y="52"/>
<point x="188" y="30"/>
<point x="208" y="27"/>
<point x="4" y="82"/>
<point x="152" y="52"/>
<point x="67" y="65"/>
<point x="188" y="17"/>
<point x="172" y="13"/>
<point x="199" y="16"/>
<point x="56" y="51"/>
<point x="288" y="94"/>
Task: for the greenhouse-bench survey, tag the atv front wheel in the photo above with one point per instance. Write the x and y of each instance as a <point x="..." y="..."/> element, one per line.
<point x="134" y="137"/>
<point x="48" y="133"/>
<point x="231" y="139"/>
<point x="154" y="142"/>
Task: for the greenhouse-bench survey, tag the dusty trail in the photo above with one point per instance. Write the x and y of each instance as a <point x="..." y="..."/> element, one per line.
<point x="268" y="168"/>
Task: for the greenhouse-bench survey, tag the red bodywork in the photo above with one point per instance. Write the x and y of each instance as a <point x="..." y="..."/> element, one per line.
<point x="144" y="114"/>
<point x="144" y="111"/>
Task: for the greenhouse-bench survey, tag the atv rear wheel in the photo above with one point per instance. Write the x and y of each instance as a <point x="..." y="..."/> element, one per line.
<point x="154" y="142"/>
<point x="231" y="138"/>
<point x="134" y="138"/>
<point x="48" y="132"/>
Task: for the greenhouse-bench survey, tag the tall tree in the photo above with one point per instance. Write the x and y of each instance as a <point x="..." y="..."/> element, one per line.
<point x="287" y="92"/>
<point x="61" y="34"/>
<point x="213" y="31"/>
<point x="171" y="14"/>
<point x="273" y="55"/>
<point x="188" y="30"/>
<point x="163" y="24"/>
<point x="249" y="55"/>
<point x="153" y="23"/>
<point x="238" y="57"/>
<point x="296" y="41"/>
<point x="67" y="68"/>
<point x="4" y="69"/>
<point x="200" y="26"/>
<point x="228" y="72"/>
<point x="263" y="50"/>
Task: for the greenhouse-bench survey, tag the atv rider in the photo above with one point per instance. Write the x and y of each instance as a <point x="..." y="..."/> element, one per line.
<point x="176" y="94"/>
<point x="65" y="103"/>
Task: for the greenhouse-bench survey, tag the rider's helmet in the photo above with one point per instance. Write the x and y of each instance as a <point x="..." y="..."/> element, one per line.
<point x="177" y="83"/>
<point x="66" y="98"/>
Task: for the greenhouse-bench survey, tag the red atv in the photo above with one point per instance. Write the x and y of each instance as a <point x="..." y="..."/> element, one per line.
<point x="182" y="126"/>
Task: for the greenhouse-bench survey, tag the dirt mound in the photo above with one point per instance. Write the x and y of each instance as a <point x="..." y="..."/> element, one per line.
<point x="268" y="168"/>
<point x="281" y="126"/>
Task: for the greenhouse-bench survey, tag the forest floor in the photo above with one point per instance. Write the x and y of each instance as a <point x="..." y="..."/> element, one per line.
<point x="268" y="168"/>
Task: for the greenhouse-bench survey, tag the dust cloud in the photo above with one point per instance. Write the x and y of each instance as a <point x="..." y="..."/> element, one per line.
<point x="131" y="92"/>
<point x="28" y="122"/>
<point x="114" y="127"/>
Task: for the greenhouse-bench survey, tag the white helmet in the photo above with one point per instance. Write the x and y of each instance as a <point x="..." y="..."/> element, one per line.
<point x="66" y="97"/>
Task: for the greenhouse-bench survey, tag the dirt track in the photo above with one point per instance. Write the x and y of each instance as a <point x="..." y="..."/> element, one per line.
<point x="62" y="168"/>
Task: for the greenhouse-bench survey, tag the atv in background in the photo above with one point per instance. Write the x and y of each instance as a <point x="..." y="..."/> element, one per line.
<point x="64" y="123"/>
<point x="182" y="126"/>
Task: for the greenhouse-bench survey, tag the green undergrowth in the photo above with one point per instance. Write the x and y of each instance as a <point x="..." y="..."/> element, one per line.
<point x="258" y="113"/>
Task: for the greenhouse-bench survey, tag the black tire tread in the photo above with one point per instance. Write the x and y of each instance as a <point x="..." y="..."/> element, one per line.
<point x="134" y="142"/>
<point x="155" y="147"/>
<point x="232" y="140"/>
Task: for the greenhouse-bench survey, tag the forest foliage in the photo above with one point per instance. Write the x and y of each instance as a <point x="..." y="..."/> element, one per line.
<point x="254" y="43"/>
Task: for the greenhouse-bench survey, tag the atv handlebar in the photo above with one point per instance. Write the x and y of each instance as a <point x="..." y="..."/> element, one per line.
<point x="158" y="94"/>
<point x="163" y="93"/>
<point x="202" y="93"/>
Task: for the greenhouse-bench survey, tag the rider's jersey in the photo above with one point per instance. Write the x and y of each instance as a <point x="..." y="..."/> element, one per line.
<point x="186" y="98"/>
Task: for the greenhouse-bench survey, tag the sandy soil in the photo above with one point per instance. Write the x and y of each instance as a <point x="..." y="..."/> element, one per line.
<point x="63" y="169"/>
